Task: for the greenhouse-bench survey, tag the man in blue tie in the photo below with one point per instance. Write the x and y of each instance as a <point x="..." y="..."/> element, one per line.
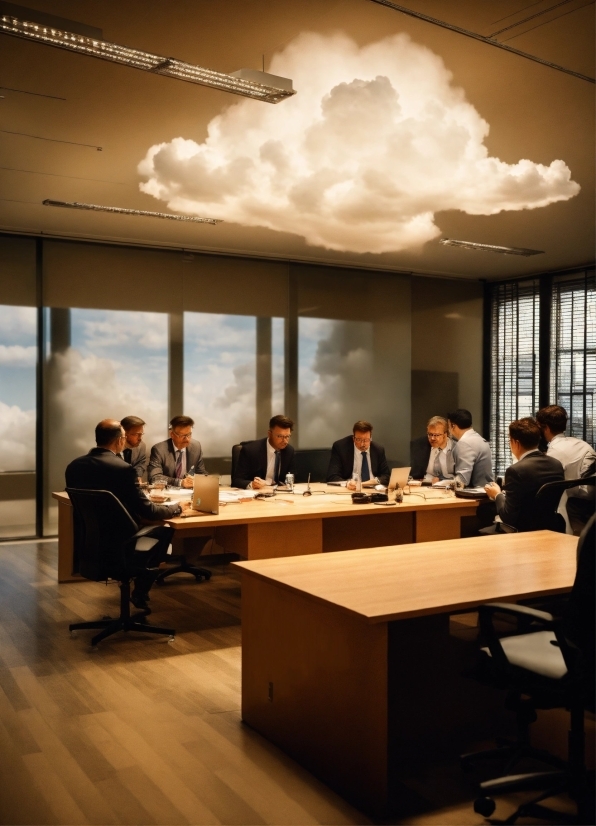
<point x="178" y="455"/>
<point x="265" y="462"/>
<point x="359" y="454"/>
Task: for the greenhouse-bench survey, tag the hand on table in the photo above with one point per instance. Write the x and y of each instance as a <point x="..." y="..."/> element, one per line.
<point x="186" y="506"/>
<point x="257" y="483"/>
<point x="187" y="482"/>
<point x="492" y="490"/>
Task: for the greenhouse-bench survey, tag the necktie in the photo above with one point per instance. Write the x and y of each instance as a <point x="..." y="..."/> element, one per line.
<point x="364" y="470"/>
<point x="127" y="455"/>
<point x="277" y="467"/>
<point x="437" y="465"/>
<point x="178" y="471"/>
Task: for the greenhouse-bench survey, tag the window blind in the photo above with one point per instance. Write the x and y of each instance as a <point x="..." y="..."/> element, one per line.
<point x="515" y="308"/>
<point x="573" y="350"/>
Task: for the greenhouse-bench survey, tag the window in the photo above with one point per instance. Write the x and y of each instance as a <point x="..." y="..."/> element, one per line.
<point x="515" y="311"/>
<point x="573" y="350"/>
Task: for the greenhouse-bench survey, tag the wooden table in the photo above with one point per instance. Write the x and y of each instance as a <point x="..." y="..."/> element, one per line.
<point x="348" y="664"/>
<point x="295" y="525"/>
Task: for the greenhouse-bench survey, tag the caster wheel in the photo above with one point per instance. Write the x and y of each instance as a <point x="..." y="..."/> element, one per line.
<point x="74" y="634"/>
<point x="484" y="806"/>
<point x="208" y="576"/>
<point x="171" y="640"/>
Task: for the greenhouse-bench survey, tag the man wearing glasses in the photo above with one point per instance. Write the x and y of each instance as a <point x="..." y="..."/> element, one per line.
<point x="266" y="461"/>
<point x="441" y="462"/>
<point x="358" y="454"/>
<point x="178" y="456"/>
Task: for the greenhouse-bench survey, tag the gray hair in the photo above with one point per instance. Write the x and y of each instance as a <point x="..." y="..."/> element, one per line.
<point x="437" y="420"/>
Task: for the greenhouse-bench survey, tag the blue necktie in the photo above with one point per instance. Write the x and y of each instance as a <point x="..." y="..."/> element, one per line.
<point x="277" y="467"/>
<point x="364" y="471"/>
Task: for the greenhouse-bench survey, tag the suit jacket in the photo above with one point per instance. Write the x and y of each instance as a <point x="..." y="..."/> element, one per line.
<point x="419" y="456"/>
<point x="522" y="482"/>
<point x="101" y="469"/>
<point x="138" y="459"/>
<point x="341" y="464"/>
<point x="253" y="462"/>
<point x="163" y="460"/>
<point x="473" y="460"/>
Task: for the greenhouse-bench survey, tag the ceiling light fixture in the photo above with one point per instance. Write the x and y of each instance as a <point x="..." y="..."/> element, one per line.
<point x="471" y="245"/>
<point x="121" y="210"/>
<point x="263" y="89"/>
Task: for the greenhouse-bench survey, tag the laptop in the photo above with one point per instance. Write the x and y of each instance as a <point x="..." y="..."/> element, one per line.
<point x="399" y="477"/>
<point x="205" y="493"/>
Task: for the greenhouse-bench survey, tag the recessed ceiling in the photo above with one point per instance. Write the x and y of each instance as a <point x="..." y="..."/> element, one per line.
<point x="68" y="105"/>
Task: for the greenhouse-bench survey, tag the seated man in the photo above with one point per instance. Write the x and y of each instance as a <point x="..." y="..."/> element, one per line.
<point x="441" y="464"/>
<point x="266" y="461"/>
<point x="578" y="459"/>
<point x="359" y="454"/>
<point x="523" y="479"/>
<point x="135" y="452"/>
<point x="472" y="456"/>
<point x="178" y="456"/>
<point x="103" y="469"/>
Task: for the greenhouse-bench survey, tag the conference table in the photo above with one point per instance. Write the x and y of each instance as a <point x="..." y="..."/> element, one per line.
<point x="293" y="524"/>
<point x="349" y="664"/>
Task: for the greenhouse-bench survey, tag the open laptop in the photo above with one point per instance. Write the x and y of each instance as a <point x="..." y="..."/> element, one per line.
<point x="399" y="477"/>
<point x="205" y="493"/>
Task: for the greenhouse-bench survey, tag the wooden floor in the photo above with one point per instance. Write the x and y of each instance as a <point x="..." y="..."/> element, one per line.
<point x="143" y="731"/>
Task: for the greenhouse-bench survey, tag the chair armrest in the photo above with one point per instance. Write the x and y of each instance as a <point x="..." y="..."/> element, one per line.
<point x="515" y="610"/>
<point x="524" y="614"/>
<point x="142" y="532"/>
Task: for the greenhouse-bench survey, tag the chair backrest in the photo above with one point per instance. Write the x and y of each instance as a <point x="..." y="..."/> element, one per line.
<point x="314" y="462"/>
<point x="235" y="456"/>
<point x="544" y="508"/>
<point x="579" y="618"/>
<point x="105" y="528"/>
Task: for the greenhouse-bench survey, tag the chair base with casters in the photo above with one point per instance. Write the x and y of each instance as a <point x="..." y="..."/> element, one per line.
<point x="183" y="567"/>
<point x="125" y="622"/>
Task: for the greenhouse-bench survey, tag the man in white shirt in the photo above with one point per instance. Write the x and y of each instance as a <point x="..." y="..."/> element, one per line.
<point x="441" y="464"/>
<point x="578" y="459"/>
<point x="473" y="459"/>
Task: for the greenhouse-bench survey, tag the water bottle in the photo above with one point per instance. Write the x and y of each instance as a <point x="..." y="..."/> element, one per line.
<point x="357" y="481"/>
<point x="290" y="481"/>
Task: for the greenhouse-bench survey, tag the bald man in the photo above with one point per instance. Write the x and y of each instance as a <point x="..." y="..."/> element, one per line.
<point x="103" y="469"/>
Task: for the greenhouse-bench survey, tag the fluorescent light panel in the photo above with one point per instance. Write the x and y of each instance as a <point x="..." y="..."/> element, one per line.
<point x="121" y="210"/>
<point x="158" y="64"/>
<point x="472" y="245"/>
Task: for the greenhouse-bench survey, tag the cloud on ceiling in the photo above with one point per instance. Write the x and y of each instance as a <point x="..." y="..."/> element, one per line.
<point x="376" y="142"/>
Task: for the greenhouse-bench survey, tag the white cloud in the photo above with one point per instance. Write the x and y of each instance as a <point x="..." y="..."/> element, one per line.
<point x="17" y="438"/>
<point x="18" y="324"/>
<point x="15" y="355"/>
<point x="376" y="141"/>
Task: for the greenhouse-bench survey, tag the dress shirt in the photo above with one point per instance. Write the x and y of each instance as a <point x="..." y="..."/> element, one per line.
<point x="576" y="456"/>
<point x="358" y="463"/>
<point x="445" y="461"/>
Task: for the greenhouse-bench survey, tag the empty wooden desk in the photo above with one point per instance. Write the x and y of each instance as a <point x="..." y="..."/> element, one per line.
<point x="347" y="661"/>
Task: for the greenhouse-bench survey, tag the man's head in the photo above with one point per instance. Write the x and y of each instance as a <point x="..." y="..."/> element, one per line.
<point x="181" y="431"/>
<point x="362" y="434"/>
<point x="280" y="431"/>
<point x="109" y="433"/>
<point x="133" y="427"/>
<point x="459" y="421"/>
<point x="552" y="420"/>
<point x="437" y="431"/>
<point x="524" y="435"/>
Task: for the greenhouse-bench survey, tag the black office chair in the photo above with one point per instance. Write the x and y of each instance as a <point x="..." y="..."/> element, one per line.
<point x="544" y="507"/>
<point x="236" y="449"/>
<point x="106" y="537"/>
<point x="552" y="665"/>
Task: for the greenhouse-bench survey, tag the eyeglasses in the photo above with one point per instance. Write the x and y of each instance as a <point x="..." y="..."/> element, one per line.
<point x="436" y="435"/>
<point x="362" y="441"/>
<point x="182" y="435"/>
<point x="282" y="438"/>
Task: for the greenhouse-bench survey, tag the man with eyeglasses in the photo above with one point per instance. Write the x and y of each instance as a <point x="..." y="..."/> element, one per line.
<point x="265" y="462"/>
<point x="178" y="456"/>
<point x="359" y="454"/>
<point x="440" y="463"/>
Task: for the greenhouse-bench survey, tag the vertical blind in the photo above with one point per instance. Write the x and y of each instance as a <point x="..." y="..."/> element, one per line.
<point x="515" y="309"/>
<point x="573" y="350"/>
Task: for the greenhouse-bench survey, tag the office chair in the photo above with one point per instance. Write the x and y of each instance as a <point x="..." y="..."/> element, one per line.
<point x="106" y="538"/>
<point x="236" y="449"/>
<point x="553" y="667"/>
<point x="547" y="500"/>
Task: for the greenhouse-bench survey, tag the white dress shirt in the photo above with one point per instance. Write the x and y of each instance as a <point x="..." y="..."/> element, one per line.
<point x="576" y="456"/>
<point x="358" y="463"/>
<point x="270" y="475"/>
<point x="446" y="462"/>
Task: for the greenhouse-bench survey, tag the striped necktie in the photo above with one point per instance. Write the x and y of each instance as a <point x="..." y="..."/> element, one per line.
<point x="178" y="471"/>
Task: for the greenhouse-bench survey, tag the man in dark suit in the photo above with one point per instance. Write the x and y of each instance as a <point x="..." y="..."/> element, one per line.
<point x="103" y="469"/>
<point x="523" y="479"/>
<point x="359" y="454"/>
<point x="266" y="461"/>
<point x="177" y="456"/>
<point x="134" y="451"/>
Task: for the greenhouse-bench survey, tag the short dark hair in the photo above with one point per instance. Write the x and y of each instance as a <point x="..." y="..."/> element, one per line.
<point x="281" y="421"/>
<point x="362" y="426"/>
<point x="554" y="417"/>
<point x="128" y="422"/>
<point x="181" y="421"/>
<point x="105" y="433"/>
<point x="461" y="417"/>
<point x="526" y="431"/>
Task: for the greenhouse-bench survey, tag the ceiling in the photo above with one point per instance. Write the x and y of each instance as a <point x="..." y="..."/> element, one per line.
<point x="74" y="103"/>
